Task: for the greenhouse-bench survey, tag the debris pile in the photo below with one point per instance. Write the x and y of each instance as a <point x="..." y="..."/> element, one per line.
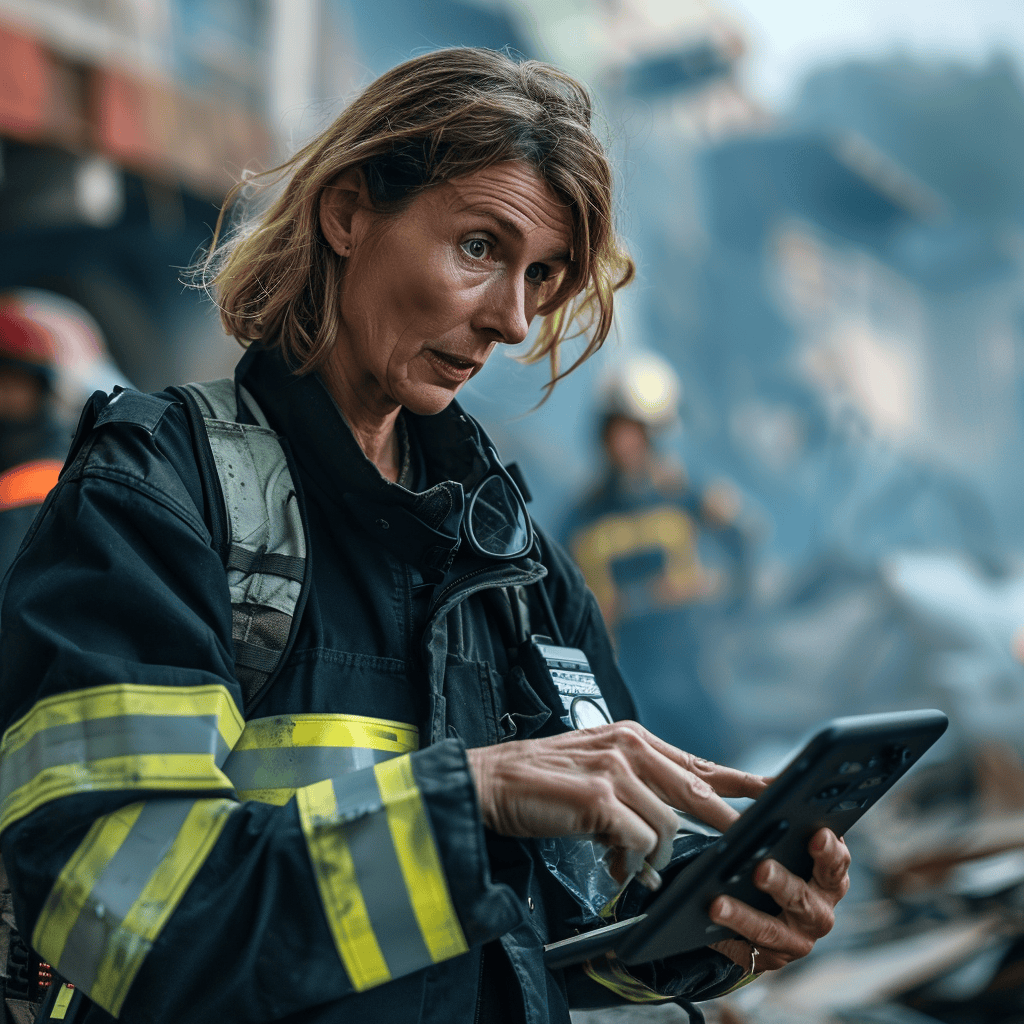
<point x="933" y="928"/>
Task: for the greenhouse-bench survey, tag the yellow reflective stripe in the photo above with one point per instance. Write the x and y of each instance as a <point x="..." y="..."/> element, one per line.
<point x="62" y="1002"/>
<point x="116" y="699"/>
<point x="742" y="983"/>
<point x="109" y="719"/>
<point x="343" y="900"/>
<point x="419" y="860"/>
<point x="298" y="750"/>
<point x="140" y="771"/>
<point x="71" y="890"/>
<point x="329" y="731"/>
<point x="81" y="930"/>
<point x="278" y="797"/>
<point x="614" y="977"/>
<point x="159" y="897"/>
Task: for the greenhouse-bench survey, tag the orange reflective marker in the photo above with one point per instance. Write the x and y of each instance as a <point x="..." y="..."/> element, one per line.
<point x="29" y="483"/>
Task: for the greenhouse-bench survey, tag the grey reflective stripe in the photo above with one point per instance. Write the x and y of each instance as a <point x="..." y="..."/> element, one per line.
<point x="292" y="767"/>
<point x="358" y="795"/>
<point x="267" y="540"/>
<point x="119" y="886"/>
<point x="117" y="736"/>
<point x="259" y="496"/>
<point x="215" y="400"/>
<point x="384" y="891"/>
<point x="382" y="884"/>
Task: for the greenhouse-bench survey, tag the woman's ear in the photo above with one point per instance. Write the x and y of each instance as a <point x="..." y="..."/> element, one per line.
<point x="340" y="201"/>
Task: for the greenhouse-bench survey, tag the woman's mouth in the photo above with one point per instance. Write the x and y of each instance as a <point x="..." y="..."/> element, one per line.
<point x="450" y="367"/>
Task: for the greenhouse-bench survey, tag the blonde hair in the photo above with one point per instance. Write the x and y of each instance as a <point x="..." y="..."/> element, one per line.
<point x="435" y="117"/>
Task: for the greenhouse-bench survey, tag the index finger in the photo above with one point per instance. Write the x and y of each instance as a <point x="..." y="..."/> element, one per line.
<point x="670" y="778"/>
<point x="724" y="781"/>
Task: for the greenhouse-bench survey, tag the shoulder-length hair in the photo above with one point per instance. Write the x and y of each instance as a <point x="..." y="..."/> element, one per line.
<point x="435" y="117"/>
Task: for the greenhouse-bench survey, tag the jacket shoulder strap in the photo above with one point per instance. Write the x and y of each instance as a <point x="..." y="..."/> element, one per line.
<point x="266" y="550"/>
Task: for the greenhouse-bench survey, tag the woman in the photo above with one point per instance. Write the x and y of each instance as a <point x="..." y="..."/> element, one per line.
<point x="347" y="835"/>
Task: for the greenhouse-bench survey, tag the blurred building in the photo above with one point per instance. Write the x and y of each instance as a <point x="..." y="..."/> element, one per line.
<point x="838" y="289"/>
<point x="122" y="126"/>
<point x="959" y="129"/>
<point x="861" y="312"/>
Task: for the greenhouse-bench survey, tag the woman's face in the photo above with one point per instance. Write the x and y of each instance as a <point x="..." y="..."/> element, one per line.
<point x="428" y="294"/>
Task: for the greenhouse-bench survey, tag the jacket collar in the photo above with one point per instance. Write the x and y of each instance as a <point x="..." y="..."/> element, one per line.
<point x="420" y="528"/>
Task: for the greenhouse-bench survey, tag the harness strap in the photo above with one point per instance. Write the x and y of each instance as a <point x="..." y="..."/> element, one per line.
<point x="266" y="562"/>
<point x="247" y="561"/>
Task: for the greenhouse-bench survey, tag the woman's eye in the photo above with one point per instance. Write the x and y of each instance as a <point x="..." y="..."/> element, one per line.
<point x="476" y="247"/>
<point x="536" y="273"/>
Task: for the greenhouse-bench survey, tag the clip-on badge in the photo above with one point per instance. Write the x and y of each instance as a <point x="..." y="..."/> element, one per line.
<point x="570" y="674"/>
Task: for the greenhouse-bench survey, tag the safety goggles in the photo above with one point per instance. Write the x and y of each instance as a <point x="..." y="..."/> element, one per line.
<point x="496" y="523"/>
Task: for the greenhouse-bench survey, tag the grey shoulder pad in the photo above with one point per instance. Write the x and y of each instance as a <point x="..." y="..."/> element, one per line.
<point x="267" y="540"/>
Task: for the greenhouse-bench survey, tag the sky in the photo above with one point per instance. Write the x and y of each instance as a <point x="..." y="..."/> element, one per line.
<point x="790" y="37"/>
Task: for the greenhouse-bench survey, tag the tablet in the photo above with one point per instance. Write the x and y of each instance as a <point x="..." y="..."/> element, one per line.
<point x="838" y="774"/>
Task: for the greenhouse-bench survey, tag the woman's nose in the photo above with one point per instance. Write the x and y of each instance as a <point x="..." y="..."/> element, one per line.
<point x="503" y="311"/>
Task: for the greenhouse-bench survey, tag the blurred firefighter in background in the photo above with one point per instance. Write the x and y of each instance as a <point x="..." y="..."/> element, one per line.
<point x="32" y="441"/>
<point x="52" y="357"/>
<point x="636" y="538"/>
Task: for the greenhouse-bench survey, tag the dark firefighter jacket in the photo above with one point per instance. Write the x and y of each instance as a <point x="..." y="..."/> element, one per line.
<point x="319" y="856"/>
<point x="30" y="459"/>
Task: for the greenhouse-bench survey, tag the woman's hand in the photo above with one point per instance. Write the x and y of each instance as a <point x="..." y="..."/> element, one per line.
<point x="807" y="907"/>
<point x="617" y="783"/>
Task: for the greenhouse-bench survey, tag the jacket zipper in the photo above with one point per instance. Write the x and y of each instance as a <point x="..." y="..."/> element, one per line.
<point x="439" y="600"/>
<point x="480" y="991"/>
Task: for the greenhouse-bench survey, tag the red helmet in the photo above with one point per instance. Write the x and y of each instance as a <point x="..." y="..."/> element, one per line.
<point x="25" y="342"/>
<point x="60" y="342"/>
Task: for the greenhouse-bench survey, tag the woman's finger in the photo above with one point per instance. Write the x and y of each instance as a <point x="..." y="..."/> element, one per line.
<point x="569" y="786"/>
<point x="662" y="770"/>
<point x="628" y="792"/>
<point x="804" y="905"/>
<point x="725" y="781"/>
<point x="771" y="935"/>
<point x="807" y="907"/>
<point x="628" y="832"/>
<point x="585" y="780"/>
<point x="831" y="863"/>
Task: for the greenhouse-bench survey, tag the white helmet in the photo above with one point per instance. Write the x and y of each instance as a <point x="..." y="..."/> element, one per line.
<point x="642" y="386"/>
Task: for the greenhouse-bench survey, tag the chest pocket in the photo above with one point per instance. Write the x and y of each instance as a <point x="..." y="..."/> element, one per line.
<point x="276" y="756"/>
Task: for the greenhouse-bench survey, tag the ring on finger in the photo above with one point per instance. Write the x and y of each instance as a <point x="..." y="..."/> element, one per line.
<point x="754" y="954"/>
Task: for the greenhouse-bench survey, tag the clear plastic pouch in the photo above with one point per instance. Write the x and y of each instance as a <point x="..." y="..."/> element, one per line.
<point x="581" y="865"/>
